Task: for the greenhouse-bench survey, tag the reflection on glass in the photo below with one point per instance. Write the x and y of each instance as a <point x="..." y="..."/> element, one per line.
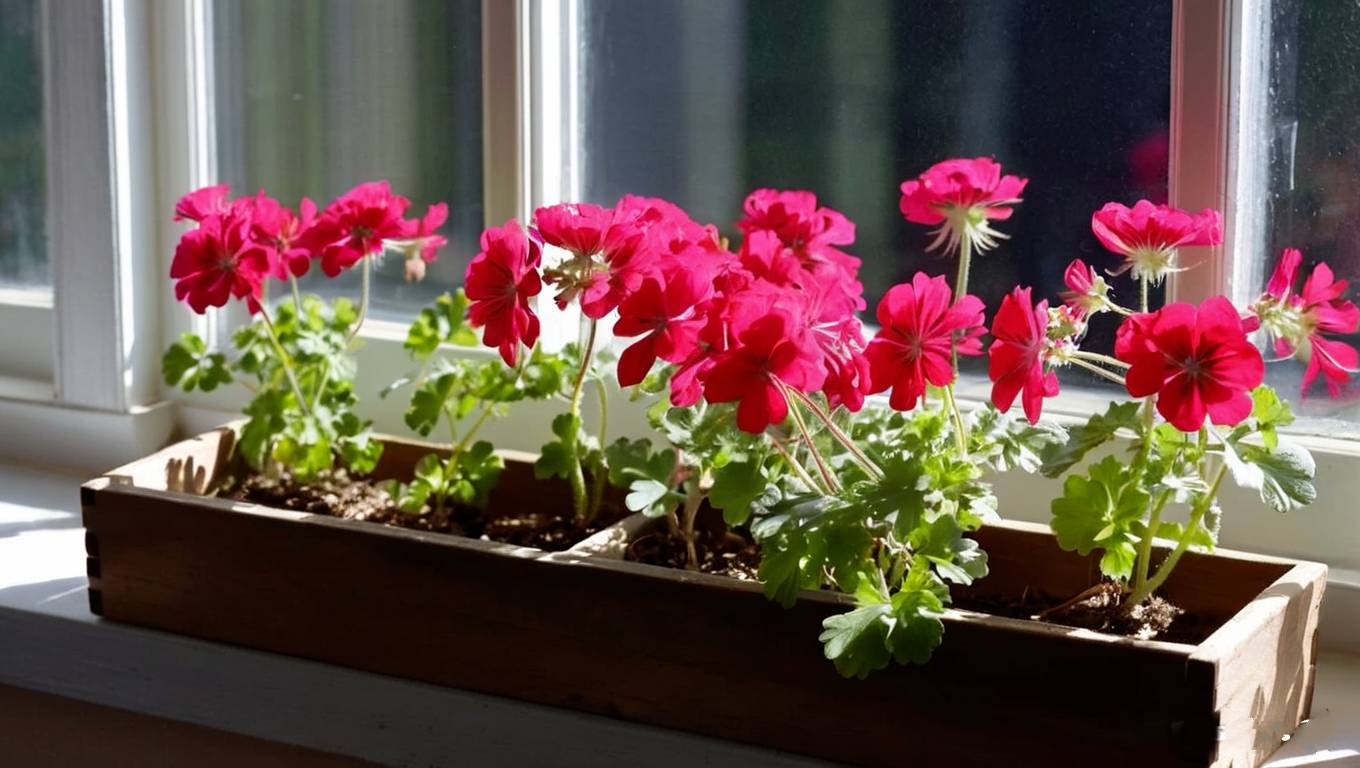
<point x="1313" y="202"/>
<point x="701" y="102"/>
<point x="313" y="98"/>
<point x="23" y="239"/>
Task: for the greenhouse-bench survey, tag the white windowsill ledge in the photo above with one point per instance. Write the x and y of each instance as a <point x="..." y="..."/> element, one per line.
<point x="50" y="642"/>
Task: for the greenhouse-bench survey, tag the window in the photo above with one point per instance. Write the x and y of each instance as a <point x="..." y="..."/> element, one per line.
<point x="23" y="239"/>
<point x="1311" y="191"/>
<point x="313" y="98"/>
<point x="805" y="94"/>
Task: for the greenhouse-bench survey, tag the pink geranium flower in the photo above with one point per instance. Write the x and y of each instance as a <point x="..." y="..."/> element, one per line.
<point x="279" y="229"/>
<point x="355" y="225"/>
<point x="218" y="261"/>
<point x="1087" y="292"/>
<point x="420" y="240"/>
<point x="1016" y="359"/>
<point x="919" y="325"/>
<point x="1297" y="322"/>
<point x="1197" y="361"/>
<point x="499" y="282"/>
<point x="202" y="203"/>
<point x="576" y="227"/>
<point x="664" y="312"/>
<point x="774" y="348"/>
<point x="1148" y="236"/>
<point x="962" y="197"/>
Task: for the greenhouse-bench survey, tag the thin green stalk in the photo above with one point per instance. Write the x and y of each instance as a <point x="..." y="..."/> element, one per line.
<point x="365" y="280"/>
<point x="597" y="482"/>
<point x="960" y="436"/>
<point x="462" y="445"/>
<point x="579" y="498"/>
<point x="1169" y="564"/>
<point x="1143" y="289"/>
<point x="822" y="467"/>
<point x="1096" y="357"/>
<point x="693" y="498"/>
<point x="1145" y="546"/>
<point x="1110" y="375"/>
<point x="797" y="467"/>
<point x="965" y="263"/>
<point x="859" y="456"/>
<point x="285" y="362"/>
<point x="364" y="290"/>
<point x="297" y="294"/>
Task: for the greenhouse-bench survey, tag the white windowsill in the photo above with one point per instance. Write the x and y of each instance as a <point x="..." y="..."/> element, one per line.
<point x="50" y="642"/>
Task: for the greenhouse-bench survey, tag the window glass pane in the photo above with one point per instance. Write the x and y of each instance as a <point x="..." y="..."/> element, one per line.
<point x="701" y="102"/>
<point x="313" y="98"/>
<point x="23" y="239"/>
<point x="1313" y="201"/>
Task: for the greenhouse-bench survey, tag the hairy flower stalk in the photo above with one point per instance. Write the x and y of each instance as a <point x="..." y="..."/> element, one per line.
<point x="579" y="497"/>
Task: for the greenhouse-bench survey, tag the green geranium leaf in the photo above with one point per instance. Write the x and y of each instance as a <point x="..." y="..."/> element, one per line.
<point x="1102" y="511"/>
<point x="1006" y="442"/>
<point x="648" y="496"/>
<point x="1283" y="476"/>
<point x="189" y="364"/>
<point x="1100" y="428"/>
<point x="358" y="449"/>
<point x="905" y="628"/>
<point x="477" y="470"/>
<point x="428" y="402"/>
<point x="554" y="458"/>
<point x="441" y="323"/>
<point x="736" y="486"/>
<point x="857" y="642"/>
<point x="955" y="557"/>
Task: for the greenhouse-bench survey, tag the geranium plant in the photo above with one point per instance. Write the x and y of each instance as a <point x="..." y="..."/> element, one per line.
<point x="764" y="359"/>
<point x="1204" y="412"/>
<point x="294" y="357"/>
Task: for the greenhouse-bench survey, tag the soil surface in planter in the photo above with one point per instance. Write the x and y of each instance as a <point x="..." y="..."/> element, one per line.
<point x="338" y="495"/>
<point x="733" y="553"/>
<point x="1097" y="609"/>
<point x="721" y="550"/>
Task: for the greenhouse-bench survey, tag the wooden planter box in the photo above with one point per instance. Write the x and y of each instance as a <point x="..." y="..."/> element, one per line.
<point x="704" y="653"/>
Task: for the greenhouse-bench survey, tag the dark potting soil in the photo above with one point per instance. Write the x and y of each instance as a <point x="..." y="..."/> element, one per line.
<point x="337" y="494"/>
<point x="734" y="554"/>
<point x="723" y="552"/>
<point x="1099" y="609"/>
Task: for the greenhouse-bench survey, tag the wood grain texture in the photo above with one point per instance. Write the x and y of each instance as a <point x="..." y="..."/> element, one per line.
<point x="692" y="651"/>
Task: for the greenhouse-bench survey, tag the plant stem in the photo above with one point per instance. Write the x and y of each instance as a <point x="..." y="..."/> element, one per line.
<point x="1096" y="357"/>
<point x="297" y="295"/>
<point x="860" y="457"/>
<point x="1110" y="375"/>
<point x="797" y="414"/>
<point x="285" y="362"/>
<point x="472" y="430"/>
<point x="965" y="262"/>
<point x="960" y="436"/>
<point x="1169" y="564"/>
<point x="364" y="280"/>
<point x="1145" y="546"/>
<point x="579" y="499"/>
<point x="1143" y="288"/>
<point x="597" y="482"/>
<point x="797" y="468"/>
<point x="694" y="496"/>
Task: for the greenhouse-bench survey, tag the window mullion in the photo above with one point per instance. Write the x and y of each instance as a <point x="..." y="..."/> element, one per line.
<point x="86" y="239"/>
<point x="1200" y="107"/>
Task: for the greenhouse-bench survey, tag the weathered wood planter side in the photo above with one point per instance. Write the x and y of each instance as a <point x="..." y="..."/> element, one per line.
<point x="702" y="653"/>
